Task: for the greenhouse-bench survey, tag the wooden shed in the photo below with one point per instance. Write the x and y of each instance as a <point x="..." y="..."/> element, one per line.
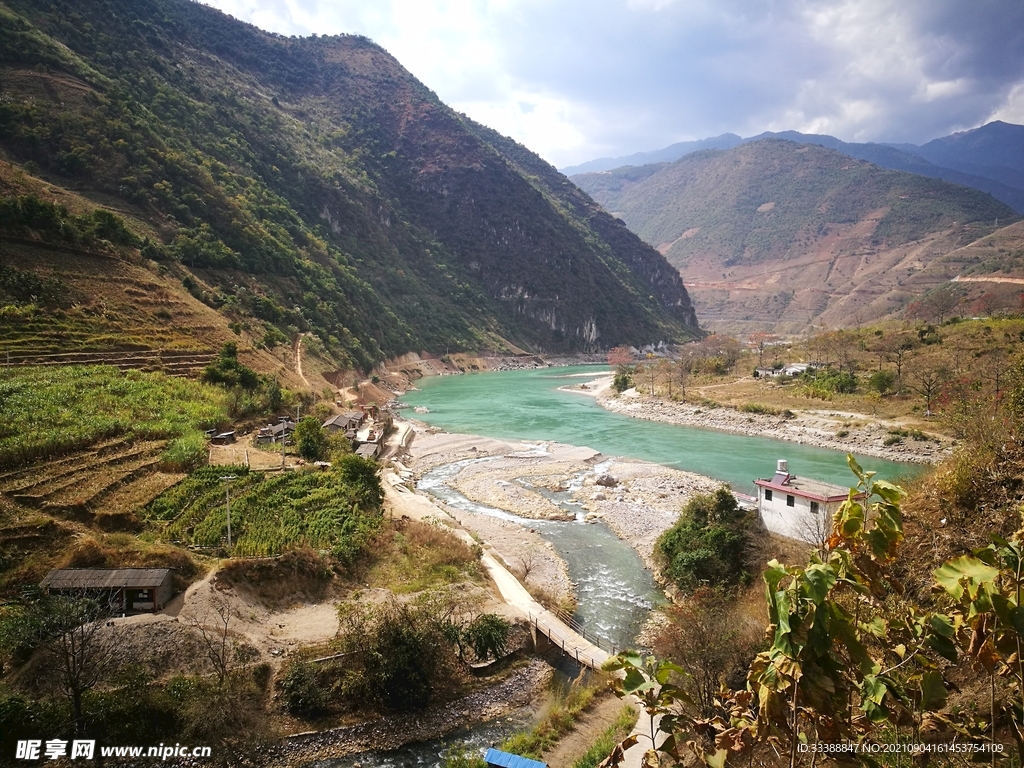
<point x="126" y="589"/>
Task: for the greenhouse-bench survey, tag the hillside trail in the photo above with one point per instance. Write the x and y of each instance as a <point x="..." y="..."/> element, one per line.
<point x="297" y="352"/>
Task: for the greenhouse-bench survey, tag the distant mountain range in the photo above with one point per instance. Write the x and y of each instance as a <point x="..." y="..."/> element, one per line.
<point x="292" y="186"/>
<point x="989" y="158"/>
<point x="773" y="234"/>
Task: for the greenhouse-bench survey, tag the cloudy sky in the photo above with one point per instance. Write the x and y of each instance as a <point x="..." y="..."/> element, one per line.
<point x="579" y="79"/>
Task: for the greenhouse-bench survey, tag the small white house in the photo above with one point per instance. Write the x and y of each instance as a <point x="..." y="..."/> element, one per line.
<point x="798" y="507"/>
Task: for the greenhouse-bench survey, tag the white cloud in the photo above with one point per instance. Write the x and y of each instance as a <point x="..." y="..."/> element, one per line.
<point x="620" y="76"/>
<point x="1012" y="109"/>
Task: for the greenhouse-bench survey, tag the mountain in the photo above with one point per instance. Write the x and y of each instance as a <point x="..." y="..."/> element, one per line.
<point x="989" y="158"/>
<point x="666" y="155"/>
<point x="778" y="235"/>
<point x="293" y="186"/>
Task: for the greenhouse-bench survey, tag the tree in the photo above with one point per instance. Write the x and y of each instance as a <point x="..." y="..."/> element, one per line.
<point x="761" y="341"/>
<point x="70" y="633"/>
<point x="928" y="383"/>
<point x="896" y="349"/>
<point x="882" y="382"/>
<point x="622" y="358"/>
<point x="487" y="635"/>
<point x="672" y="373"/>
<point x="362" y="476"/>
<point x="707" y="637"/>
<point x="310" y="439"/>
<point x="707" y="544"/>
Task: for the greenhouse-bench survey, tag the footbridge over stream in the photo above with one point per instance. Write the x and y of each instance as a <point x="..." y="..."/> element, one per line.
<point x="558" y="630"/>
<point x="551" y="629"/>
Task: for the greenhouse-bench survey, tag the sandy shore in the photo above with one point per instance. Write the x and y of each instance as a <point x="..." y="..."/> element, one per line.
<point x="641" y="501"/>
<point x="864" y="435"/>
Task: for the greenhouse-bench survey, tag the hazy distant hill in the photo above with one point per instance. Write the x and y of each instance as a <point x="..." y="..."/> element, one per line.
<point x="302" y="185"/>
<point x="783" y="235"/>
<point x="990" y="158"/>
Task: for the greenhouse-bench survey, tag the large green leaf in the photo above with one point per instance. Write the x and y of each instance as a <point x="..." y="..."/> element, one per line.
<point x="933" y="691"/>
<point x="950" y="575"/>
<point x="819" y="580"/>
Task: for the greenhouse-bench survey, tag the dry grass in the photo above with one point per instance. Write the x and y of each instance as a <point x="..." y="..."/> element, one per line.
<point x="409" y="556"/>
<point x="300" y="574"/>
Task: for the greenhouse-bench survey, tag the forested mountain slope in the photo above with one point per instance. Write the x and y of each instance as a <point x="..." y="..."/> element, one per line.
<point x="301" y="185"/>
<point x="773" y="234"/>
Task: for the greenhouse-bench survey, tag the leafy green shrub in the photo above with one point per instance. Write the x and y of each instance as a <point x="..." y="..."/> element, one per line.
<point x="623" y="380"/>
<point x="487" y="635"/>
<point x="228" y="371"/>
<point x="892" y="440"/>
<point x="302" y="692"/>
<point x="185" y="452"/>
<point x="310" y="439"/>
<point x="882" y="382"/>
<point x="707" y="544"/>
<point x="831" y="380"/>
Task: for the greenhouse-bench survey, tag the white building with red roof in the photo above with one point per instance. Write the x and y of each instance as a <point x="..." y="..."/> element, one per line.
<point x="798" y="507"/>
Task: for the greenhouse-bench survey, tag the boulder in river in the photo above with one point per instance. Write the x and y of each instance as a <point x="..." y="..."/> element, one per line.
<point x="606" y="481"/>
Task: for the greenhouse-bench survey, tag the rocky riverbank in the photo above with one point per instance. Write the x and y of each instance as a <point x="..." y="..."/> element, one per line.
<point x="519" y="689"/>
<point x="847" y="432"/>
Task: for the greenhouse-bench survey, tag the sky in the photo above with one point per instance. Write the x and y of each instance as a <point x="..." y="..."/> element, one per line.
<point x="575" y="80"/>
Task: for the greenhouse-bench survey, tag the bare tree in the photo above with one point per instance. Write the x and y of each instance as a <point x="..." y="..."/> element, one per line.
<point x="673" y="373"/>
<point x="762" y="341"/>
<point x="708" y="638"/>
<point x="928" y="383"/>
<point x="896" y="350"/>
<point x="223" y="653"/>
<point x="529" y="561"/>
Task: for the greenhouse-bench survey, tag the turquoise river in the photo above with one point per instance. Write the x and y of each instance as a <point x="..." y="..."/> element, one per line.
<point x="527" y="405"/>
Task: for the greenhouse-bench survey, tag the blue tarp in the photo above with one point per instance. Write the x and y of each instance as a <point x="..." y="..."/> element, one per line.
<point x="508" y="760"/>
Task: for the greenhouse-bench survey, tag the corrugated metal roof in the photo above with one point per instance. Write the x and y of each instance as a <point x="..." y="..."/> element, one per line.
<point x="104" y="578"/>
<point x="508" y="760"/>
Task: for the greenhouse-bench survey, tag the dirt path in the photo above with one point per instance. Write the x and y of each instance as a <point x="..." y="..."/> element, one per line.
<point x="589" y="726"/>
<point x="297" y="351"/>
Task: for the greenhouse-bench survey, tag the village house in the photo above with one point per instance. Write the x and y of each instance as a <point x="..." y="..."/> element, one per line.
<point x="347" y="423"/>
<point x="273" y="433"/>
<point x="798" y="507"/>
<point x="123" y="589"/>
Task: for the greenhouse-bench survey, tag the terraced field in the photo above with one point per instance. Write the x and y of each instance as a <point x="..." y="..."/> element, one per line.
<point x="169" y="362"/>
<point x="103" y="486"/>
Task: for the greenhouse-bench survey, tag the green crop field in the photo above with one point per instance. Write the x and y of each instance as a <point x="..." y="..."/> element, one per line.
<point x="50" y="411"/>
<point x="327" y="510"/>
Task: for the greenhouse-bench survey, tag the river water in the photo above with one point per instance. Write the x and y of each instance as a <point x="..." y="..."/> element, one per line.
<point x="615" y="592"/>
<point x="527" y="405"/>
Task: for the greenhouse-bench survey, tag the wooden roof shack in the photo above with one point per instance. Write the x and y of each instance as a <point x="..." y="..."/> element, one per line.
<point x="368" y="450"/>
<point x="126" y="589"/>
